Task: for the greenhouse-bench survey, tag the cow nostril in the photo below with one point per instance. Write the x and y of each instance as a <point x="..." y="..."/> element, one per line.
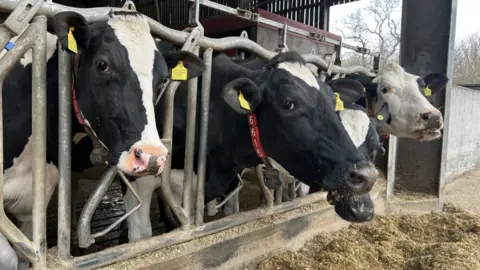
<point x="426" y="116"/>
<point x="356" y="179"/>
<point x="138" y="153"/>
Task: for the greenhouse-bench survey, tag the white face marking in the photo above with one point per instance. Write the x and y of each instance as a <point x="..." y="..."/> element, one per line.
<point x="27" y="57"/>
<point x="133" y="32"/>
<point x="356" y="123"/>
<point x="17" y="192"/>
<point x="300" y="71"/>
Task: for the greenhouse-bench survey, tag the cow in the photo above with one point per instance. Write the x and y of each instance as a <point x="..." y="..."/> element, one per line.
<point x="117" y="71"/>
<point x="405" y="97"/>
<point x="296" y="119"/>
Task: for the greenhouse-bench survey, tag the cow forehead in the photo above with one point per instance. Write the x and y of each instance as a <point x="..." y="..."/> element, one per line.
<point x="133" y="32"/>
<point x="301" y="72"/>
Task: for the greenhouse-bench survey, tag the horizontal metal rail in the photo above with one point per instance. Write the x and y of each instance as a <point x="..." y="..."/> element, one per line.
<point x="175" y="36"/>
<point x="246" y="14"/>
<point x="128" y="251"/>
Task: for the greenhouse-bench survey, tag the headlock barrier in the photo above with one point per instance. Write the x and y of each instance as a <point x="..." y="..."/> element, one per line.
<point x="28" y="19"/>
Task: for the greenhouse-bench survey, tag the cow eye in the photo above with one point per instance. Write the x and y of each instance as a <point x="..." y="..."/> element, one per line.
<point x="102" y="66"/>
<point x="288" y="105"/>
<point x="385" y="90"/>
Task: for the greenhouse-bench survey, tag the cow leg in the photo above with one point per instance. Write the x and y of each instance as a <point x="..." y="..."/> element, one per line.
<point x="8" y="257"/>
<point x="139" y="224"/>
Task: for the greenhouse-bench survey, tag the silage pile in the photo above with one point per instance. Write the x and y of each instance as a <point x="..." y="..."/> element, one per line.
<point x="445" y="240"/>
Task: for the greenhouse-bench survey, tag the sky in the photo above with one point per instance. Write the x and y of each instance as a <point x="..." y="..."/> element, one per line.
<point x="468" y="19"/>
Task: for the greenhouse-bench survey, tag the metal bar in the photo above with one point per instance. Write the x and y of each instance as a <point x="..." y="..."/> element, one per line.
<point x="171" y="35"/>
<point x="263" y="188"/>
<point x="391" y="166"/>
<point x="202" y="144"/>
<point x="292" y="191"/>
<point x="7" y="228"/>
<point x="190" y="145"/>
<point x="447" y="105"/>
<point x="322" y="64"/>
<point x="64" y="152"/>
<point x="230" y="195"/>
<point x="278" y="195"/>
<point x="128" y="251"/>
<point x="39" y="141"/>
<point x="5" y="36"/>
<point x="157" y="10"/>
<point x="24" y="42"/>
<point x="126" y="215"/>
<point x="83" y="230"/>
<point x="168" y="139"/>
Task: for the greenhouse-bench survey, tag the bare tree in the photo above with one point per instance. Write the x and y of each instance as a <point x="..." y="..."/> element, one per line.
<point x="375" y="27"/>
<point x="466" y="68"/>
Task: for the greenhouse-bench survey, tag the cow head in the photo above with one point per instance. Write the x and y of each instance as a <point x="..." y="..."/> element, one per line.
<point x="299" y="127"/>
<point x="403" y="95"/>
<point x="118" y="72"/>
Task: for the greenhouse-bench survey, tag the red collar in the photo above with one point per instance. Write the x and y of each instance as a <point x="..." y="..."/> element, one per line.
<point x="255" y="136"/>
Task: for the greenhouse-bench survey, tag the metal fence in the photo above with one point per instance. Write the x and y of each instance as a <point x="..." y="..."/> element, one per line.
<point x="34" y="36"/>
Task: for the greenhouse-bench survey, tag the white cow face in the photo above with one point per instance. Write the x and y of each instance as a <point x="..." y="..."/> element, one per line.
<point x="411" y="114"/>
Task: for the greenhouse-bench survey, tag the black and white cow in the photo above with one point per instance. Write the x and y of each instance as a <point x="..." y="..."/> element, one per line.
<point x="118" y="71"/>
<point x="297" y="122"/>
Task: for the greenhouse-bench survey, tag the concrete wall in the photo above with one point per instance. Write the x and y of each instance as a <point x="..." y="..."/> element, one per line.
<point x="463" y="150"/>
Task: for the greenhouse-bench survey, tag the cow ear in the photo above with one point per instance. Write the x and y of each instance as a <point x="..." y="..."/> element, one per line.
<point x="242" y="95"/>
<point x="81" y="32"/>
<point x="349" y="90"/>
<point x="382" y="115"/>
<point x="435" y="82"/>
<point x="193" y="64"/>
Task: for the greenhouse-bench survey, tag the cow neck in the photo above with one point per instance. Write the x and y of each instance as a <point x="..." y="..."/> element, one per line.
<point x="255" y="136"/>
<point x="97" y="143"/>
<point x="369" y="100"/>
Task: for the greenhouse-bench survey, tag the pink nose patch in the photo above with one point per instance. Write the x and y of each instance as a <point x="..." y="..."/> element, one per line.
<point x="145" y="162"/>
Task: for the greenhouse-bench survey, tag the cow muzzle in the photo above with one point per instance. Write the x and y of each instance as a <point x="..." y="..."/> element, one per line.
<point x="360" y="178"/>
<point x="353" y="208"/>
<point x="143" y="159"/>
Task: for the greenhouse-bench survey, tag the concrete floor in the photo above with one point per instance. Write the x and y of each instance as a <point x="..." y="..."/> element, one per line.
<point x="464" y="192"/>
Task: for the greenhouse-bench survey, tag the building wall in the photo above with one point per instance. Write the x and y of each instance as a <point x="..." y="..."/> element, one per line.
<point x="463" y="150"/>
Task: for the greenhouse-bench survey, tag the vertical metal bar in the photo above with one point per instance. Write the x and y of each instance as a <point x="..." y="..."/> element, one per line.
<point x="391" y="166"/>
<point x="7" y="228"/>
<point x="39" y="140"/>
<point x="157" y="10"/>
<point x="447" y="105"/>
<point x="292" y="193"/>
<point x="64" y="152"/>
<point x="278" y="195"/>
<point x="167" y="136"/>
<point x="190" y="144"/>
<point x="202" y="144"/>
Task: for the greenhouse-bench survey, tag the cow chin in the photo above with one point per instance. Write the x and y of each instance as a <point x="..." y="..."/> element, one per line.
<point x="353" y="208"/>
<point x="427" y="134"/>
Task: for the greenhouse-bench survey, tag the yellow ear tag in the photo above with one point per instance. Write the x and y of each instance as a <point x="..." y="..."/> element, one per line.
<point x="179" y="73"/>
<point x="380" y="117"/>
<point x="364" y="89"/>
<point x="243" y="102"/>
<point x="338" y="103"/>
<point x="71" y="42"/>
<point x="427" y="91"/>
